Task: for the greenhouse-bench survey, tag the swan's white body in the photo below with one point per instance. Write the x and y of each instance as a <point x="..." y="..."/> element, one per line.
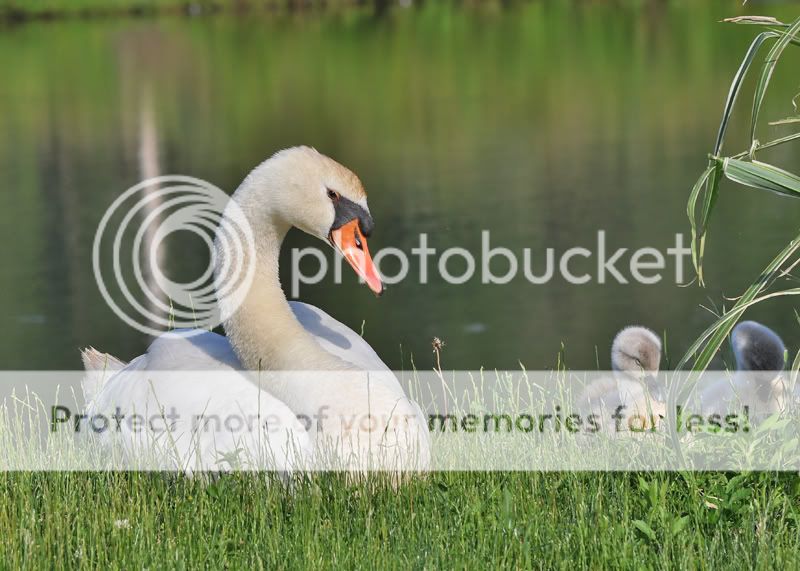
<point x="758" y="382"/>
<point x="332" y="396"/>
<point x="200" y="412"/>
<point x="635" y="358"/>
<point x="608" y="397"/>
<point x="763" y="393"/>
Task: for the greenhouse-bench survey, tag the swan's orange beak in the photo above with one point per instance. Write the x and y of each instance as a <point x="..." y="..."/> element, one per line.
<point x="352" y="244"/>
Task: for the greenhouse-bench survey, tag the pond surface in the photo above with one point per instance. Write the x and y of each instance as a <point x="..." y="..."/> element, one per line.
<point x="542" y="123"/>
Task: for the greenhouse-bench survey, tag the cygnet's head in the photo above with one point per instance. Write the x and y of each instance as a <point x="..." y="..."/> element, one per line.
<point x="303" y="188"/>
<point x="636" y="351"/>
<point x="757" y="348"/>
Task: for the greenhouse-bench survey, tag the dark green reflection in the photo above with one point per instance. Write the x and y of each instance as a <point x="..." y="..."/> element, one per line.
<point x="542" y="123"/>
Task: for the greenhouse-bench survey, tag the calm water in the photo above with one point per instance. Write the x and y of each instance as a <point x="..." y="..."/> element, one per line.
<point x="542" y="123"/>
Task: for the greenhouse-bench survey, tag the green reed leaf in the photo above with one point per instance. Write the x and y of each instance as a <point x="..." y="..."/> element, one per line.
<point x="763" y="176"/>
<point x="736" y="86"/>
<point x="715" y="335"/>
<point x="698" y="229"/>
<point x="758" y="20"/>
<point x="766" y="72"/>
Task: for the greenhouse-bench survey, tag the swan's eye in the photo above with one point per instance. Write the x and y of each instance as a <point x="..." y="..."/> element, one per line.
<point x="639" y="363"/>
<point x="333" y="195"/>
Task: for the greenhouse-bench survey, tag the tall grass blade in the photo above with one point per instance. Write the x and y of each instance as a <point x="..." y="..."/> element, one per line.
<point x="710" y="196"/>
<point x="786" y="120"/>
<point x="766" y="73"/>
<point x="736" y="86"/>
<point x="697" y="226"/>
<point x="767" y="145"/>
<point x="715" y="335"/>
<point x="711" y="177"/>
<point x="757" y="20"/>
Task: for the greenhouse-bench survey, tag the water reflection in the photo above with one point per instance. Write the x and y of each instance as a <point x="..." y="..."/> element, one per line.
<point x="149" y="168"/>
<point x="542" y="123"/>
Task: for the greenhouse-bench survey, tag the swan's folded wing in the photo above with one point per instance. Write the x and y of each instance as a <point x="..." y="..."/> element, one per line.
<point x="337" y="338"/>
<point x="191" y="349"/>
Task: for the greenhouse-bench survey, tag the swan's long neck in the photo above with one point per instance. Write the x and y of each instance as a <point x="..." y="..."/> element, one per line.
<point x="263" y="330"/>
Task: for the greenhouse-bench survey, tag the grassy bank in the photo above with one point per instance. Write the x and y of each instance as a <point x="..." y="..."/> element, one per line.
<point x="444" y="521"/>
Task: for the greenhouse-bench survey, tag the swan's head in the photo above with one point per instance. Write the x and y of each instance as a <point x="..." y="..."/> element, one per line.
<point x="636" y="351"/>
<point x="303" y="188"/>
<point x="757" y="348"/>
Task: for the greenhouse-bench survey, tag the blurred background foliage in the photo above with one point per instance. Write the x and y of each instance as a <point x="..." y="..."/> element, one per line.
<point x="540" y="121"/>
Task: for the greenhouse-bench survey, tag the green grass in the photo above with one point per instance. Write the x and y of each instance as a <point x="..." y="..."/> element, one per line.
<point x="591" y="520"/>
<point x="575" y="520"/>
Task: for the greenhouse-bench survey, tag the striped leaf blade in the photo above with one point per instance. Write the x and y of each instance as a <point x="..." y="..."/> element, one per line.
<point x="766" y="73"/>
<point x="763" y="176"/>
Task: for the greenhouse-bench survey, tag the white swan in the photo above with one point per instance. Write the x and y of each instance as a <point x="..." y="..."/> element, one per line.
<point x="207" y="418"/>
<point x="316" y="369"/>
<point x="635" y="357"/>
<point x="758" y="382"/>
